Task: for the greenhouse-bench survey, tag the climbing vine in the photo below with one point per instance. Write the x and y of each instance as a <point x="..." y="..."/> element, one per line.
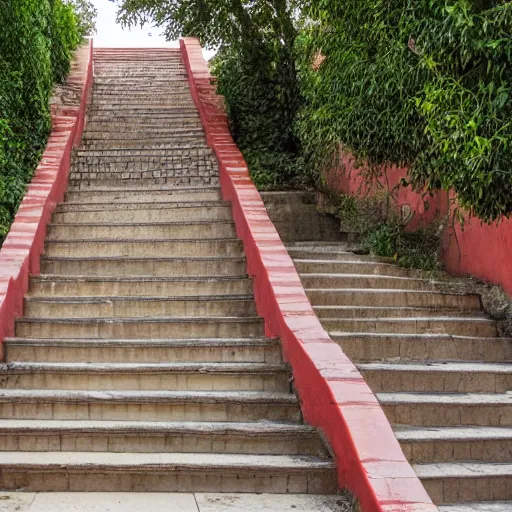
<point x="419" y="82"/>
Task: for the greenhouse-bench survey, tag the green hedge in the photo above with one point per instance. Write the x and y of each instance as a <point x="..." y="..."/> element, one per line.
<point x="424" y="83"/>
<point x="36" y="45"/>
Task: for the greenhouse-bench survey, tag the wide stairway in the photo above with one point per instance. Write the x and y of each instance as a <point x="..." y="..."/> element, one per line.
<point x="140" y="363"/>
<point x="436" y="363"/>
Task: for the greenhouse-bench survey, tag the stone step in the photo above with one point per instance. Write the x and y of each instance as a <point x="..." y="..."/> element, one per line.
<point x="371" y="347"/>
<point x="363" y="312"/>
<point x="155" y="111"/>
<point x="176" y="472"/>
<point x="144" y="248"/>
<point x="448" y="409"/>
<point x="440" y="324"/>
<point x="248" y="350"/>
<point x="155" y="132"/>
<point x="257" y="438"/>
<point x="187" y="152"/>
<point x="136" y="327"/>
<point x="148" y="405"/>
<point x="133" y="123"/>
<point x="466" y="481"/>
<point x="459" y="443"/>
<point x="439" y="377"/>
<point x="129" y="307"/>
<point x="396" y="298"/>
<point x="167" y="270"/>
<point x="183" y="195"/>
<point x="480" y="506"/>
<point x="141" y="230"/>
<point x="320" y="280"/>
<point x="143" y="143"/>
<point x="140" y="211"/>
<point x="302" y="252"/>
<point x="185" y="180"/>
<point x="350" y="266"/>
<point x="146" y="376"/>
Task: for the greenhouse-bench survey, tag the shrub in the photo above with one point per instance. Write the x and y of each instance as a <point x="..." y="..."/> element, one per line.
<point x="423" y="83"/>
<point x="36" y="42"/>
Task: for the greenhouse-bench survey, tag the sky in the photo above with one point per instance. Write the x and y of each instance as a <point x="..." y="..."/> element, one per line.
<point x="110" y="33"/>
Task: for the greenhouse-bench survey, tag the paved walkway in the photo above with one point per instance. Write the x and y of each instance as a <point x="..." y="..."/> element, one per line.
<point x="168" y="502"/>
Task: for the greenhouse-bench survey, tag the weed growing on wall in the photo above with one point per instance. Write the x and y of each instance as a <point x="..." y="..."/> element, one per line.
<point x="383" y="233"/>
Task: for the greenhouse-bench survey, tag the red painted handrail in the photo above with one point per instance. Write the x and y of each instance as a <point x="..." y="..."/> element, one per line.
<point x="22" y="248"/>
<point x="334" y="396"/>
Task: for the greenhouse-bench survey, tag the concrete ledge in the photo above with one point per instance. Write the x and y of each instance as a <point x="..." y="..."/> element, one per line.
<point x="334" y="396"/>
<point x="23" y="246"/>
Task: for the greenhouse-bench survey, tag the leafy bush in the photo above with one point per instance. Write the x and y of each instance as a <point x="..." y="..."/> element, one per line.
<point x="423" y="83"/>
<point x="261" y="103"/>
<point x="383" y="233"/>
<point x="36" y="42"/>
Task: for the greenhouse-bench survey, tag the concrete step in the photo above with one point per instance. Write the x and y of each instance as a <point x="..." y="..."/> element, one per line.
<point x="246" y="406"/>
<point x="466" y="481"/>
<point x="141" y="230"/>
<point x="146" y="376"/>
<point x="247" y="350"/>
<point x="136" y="327"/>
<point x="257" y="438"/>
<point x="441" y="324"/>
<point x="145" y="143"/>
<point x="459" y="443"/>
<point x="165" y="211"/>
<point x="319" y="280"/>
<point x="187" y="178"/>
<point x="154" y="132"/>
<point x="350" y="266"/>
<point x="122" y="307"/>
<point x="364" y="312"/>
<point x="448" y="409"/>
<point x="176" y="472"/>
<point x="392" y="298"/>
<point x="370" y="347"/>
<point x="143" y="195"/>
<point x="144" y="248"/>
<point x="169" y="270"/>
<point x="480" y="506"/>
<point x="134" y="285"/>
<point x="439" y="377"/>
<point x="188" y="151"/>
<point x="325" y="252"/>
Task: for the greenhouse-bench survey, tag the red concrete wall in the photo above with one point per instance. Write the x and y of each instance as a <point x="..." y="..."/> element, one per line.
<point x="334" y="396"/>
<point x="476" y="249"/>
<point x="22" y="248"/>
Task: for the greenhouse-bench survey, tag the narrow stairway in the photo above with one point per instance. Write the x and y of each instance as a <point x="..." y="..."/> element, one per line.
<point x="140" y="363"/>
<point x="436" y="363"/>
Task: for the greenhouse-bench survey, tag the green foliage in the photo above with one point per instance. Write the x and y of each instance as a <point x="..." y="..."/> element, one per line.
<point x="86" y="14"/>
<point x="383" y="234"/>
<point x="64" y="36"/>
<point x="255" y="70"/>
<point x="424" y="83"/>
<point x="36" y="42"/>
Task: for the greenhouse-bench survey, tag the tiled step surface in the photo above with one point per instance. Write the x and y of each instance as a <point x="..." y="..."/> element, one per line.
<point x="436" y="363"/>
<point x="140" y="363"/>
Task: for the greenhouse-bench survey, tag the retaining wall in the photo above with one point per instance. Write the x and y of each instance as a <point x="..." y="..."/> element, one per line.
<point x="22" y="248"/>
<point x="476" y="249"/>
<point x="334" y="396"/>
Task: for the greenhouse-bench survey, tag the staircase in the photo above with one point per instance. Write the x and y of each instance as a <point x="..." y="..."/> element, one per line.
<point x="140" y="363"/>
<point x="436" y="363"/>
